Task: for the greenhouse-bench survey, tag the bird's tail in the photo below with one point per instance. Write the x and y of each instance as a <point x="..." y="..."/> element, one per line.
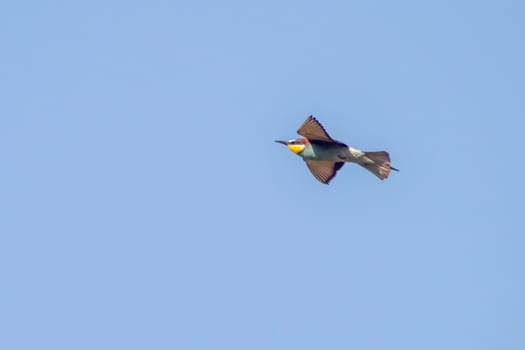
<point x="378" y="163"/>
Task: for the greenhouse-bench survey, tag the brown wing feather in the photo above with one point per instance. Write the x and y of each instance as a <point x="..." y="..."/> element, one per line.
<point x="314" y="131"/>
<point x="324" y="170"/>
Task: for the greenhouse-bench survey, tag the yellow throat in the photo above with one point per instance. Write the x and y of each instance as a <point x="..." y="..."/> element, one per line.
<point x="296" y="148"/>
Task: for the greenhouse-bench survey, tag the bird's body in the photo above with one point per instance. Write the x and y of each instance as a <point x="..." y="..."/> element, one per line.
<point x="319" y="150"/>
<point x="324" y="156"/>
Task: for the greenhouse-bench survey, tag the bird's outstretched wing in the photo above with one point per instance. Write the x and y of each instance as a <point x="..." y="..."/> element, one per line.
<point x="314" y="131"/>
<point x="323" y="170"/>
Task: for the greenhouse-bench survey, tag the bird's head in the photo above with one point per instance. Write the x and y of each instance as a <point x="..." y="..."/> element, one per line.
<point x="296" y="146"/>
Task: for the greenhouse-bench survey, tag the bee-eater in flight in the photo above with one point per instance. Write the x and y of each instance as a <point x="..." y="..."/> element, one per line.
<point x="324" y="156"/>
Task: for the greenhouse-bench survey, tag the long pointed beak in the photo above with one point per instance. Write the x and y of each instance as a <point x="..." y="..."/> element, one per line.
<point x="283" y="142"/>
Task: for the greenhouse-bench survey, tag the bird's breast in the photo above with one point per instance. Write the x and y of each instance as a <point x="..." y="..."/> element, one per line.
<point x="324" y="151"/>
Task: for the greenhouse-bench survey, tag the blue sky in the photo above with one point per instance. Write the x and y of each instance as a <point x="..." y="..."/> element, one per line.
<point x="145" y="206"/>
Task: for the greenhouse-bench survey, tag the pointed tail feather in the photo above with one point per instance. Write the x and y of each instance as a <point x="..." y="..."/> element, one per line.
<point x="380" y="165"/>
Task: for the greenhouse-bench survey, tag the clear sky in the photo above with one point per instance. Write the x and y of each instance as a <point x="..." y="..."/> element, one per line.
<point x="144" y="204"/>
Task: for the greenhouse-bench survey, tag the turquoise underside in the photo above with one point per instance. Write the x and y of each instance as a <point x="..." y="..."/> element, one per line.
<point x="321" y="152"/>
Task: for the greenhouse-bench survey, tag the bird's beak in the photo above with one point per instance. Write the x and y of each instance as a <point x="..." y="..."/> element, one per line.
<point x="283" y="142"/>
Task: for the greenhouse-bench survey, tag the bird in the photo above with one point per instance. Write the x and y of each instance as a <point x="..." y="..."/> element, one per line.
<point x="325" y="156"/>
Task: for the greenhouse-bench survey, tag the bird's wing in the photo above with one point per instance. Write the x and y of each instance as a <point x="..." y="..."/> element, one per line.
<point x="314" y="131"/>
<point x="324" y="170"/>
